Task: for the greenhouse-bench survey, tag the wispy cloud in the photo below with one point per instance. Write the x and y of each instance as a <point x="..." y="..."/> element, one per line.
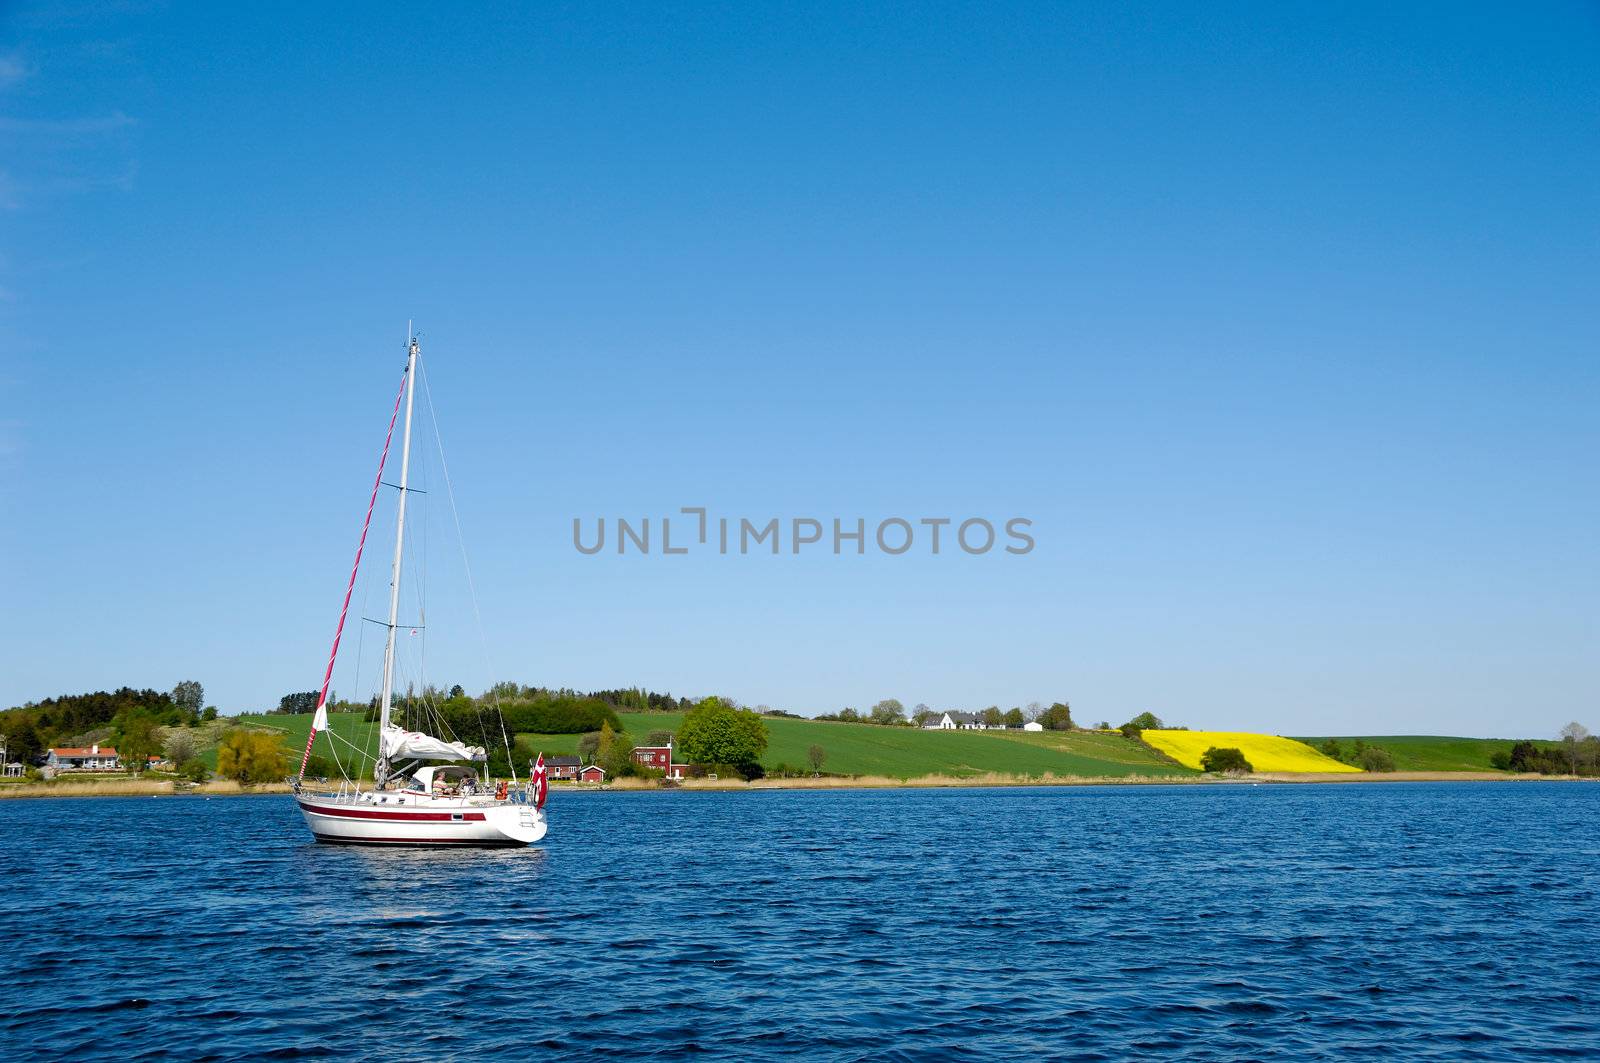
<point x="13" y="70"/>
<point x="14" y="194"/>
<point x="10" y="444"/>
<point x="67" y="126"/>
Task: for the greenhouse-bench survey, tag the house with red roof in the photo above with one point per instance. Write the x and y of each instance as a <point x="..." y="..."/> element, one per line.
<point x="82" y="758"/>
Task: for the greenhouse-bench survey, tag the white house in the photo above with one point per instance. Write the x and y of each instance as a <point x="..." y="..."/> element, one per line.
<point x="1033" y="725"/>
<point x="77" y="758"/>
<point x="956" y="721"/>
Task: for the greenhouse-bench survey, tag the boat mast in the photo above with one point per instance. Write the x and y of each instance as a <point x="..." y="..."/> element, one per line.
<point x="381" y="770"/>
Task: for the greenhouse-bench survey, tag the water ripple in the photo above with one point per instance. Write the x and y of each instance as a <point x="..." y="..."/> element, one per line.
<point x="1452" y="921"/>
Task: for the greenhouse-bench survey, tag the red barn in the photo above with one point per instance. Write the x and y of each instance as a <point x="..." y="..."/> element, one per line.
<point x="592" y="773"/>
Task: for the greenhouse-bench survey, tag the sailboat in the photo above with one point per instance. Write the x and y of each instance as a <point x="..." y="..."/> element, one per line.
<point x="425" y="791"/>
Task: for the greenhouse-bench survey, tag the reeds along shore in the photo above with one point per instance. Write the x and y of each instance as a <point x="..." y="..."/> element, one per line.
<point x="998" y="779"/>
<point x="166" y="788"/>
<point x="134" y="788"/>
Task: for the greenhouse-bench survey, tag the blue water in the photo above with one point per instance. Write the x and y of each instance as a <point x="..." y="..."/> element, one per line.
<point x="1451" y="920"/>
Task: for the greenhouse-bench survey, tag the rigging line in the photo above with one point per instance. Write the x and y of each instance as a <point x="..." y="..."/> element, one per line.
<point x="477" y="615"/>
<point x="333" y="654"/>
<point x="369" y="722"/>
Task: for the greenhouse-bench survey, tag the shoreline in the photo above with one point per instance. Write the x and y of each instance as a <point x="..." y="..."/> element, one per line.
<point x="166" y="788"/>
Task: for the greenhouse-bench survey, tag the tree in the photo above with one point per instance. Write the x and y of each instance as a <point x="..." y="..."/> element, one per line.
<point x="1014" y="718"/>
<point x="1032" y="711"/>
<point x="179" y="744"/>
<point x="458" y="691"/>
<point x="1573" y="735"/>
<point x="1057" y="717"/>
<point x="250" y="757"/>
<point x="816" y="755"/>
<point x="715" y="733"/>
<point x="922" y="715"/>
<point x="138" y="737"/>
<point x="887" y="712"/>
<point x="1375" y="759"/>
<point x="658" y="738"/>
<point x="849" y="715"/>
<point x="195" y="770"/>
<point x="209" y="715"/>
<point x="605" y="743"/>
<point x="992" y="716"/>
<point x="1224" y="759"/>
<point x="301" y="702"/>
<point x="1332" y="748"/>
<point x="190" y="697"/>
<point x="1524" y="757"/>
<point x="589" y="743"/>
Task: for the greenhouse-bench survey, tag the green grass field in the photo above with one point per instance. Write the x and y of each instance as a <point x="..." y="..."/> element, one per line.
<point x="1431" y="752"/>
<point x="350" y="726"/>
<point x="852" y="749"/>
<point x="905" y="752"/>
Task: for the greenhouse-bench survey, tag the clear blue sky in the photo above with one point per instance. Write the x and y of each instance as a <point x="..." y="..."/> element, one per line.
<point x="1278" y="320"/>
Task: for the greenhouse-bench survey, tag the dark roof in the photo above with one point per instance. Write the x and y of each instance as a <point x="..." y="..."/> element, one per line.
<point x="562" y="762"/>
<point x="962" y="717"/>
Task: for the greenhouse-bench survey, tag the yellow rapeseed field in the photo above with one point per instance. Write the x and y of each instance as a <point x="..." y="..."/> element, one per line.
<point x="1264" y="752"/>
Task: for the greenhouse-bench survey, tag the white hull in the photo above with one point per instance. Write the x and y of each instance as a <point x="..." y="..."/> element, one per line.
<point x="390" y="818"/>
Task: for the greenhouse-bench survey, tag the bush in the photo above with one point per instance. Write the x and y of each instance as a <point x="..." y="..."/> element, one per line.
<point x="194" y="769"/>
<point x="1225" y="759"/>
<point x="551" y="716"/>
<point x="1500" y="760"/>
<point x="1375" y="759"/>
<point x="746" y="772"/>
<point x="251" y="757"/>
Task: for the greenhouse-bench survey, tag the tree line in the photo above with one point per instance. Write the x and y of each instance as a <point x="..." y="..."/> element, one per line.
<point x="128" y="719"/>
<point x="1578" y="753"/>
<point x="891" y="712"/>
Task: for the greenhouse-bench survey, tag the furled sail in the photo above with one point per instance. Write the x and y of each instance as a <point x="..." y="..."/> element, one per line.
<point x="399" y="744"/>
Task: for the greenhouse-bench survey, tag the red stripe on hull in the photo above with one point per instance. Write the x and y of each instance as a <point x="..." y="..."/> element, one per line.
<point x="330" y="839"/>
<point x="401" y="817"/>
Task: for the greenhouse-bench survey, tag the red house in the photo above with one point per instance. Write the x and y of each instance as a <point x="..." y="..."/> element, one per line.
<point x="562" y="767"/>
<point x="592" y="773"/>
<point x="658" y="757"/>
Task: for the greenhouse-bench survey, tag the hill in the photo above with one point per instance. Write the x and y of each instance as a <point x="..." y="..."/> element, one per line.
<point x="851" y="748"/>
<point x="1264" y="752"/>
<point x="352" y="727"/>
<point x="1432" y="752"/>
<point x="907" y="752"/>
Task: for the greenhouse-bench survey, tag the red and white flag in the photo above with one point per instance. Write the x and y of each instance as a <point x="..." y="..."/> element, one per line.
<point x="541" y="783"/>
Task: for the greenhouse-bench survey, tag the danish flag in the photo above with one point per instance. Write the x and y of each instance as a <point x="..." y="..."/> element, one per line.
<point x="541" y="783"/>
